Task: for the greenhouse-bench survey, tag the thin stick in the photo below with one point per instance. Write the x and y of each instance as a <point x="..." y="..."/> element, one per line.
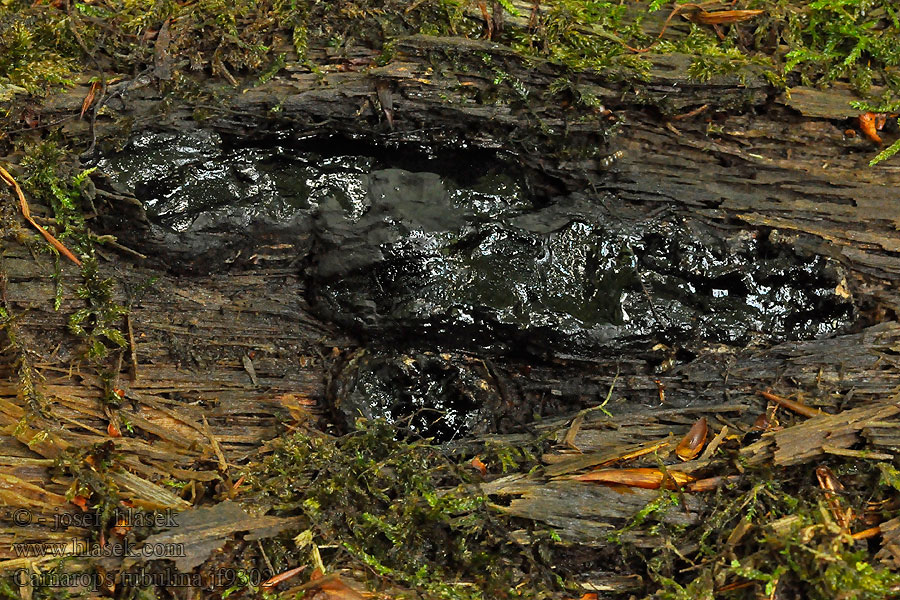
<point x="26" y="212"/>
<point x="692" y="113"/>
<point x="678" y="9"/>
<point x="866" y="533"/>
<point x="223" y="464"/>
<point x="132" y="348"/>
<point x="797" y="407"/>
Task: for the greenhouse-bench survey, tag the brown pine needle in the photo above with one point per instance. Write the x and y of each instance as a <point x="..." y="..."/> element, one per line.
<point x="26" y="212"/>
<point x="722" y="17"/>
<point x="89" y="99"/>
<point x="797" y="407"/>
<point x="696" y="14"/>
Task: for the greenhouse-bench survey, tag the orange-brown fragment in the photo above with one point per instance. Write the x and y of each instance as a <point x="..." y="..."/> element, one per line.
<point x="710" y="484"/>
<point x="281" y="577"/>
<point x="646" y="478"/>
<point x="692" y="442"/>
<point x="89" y="99"/>
<point x="721" y="17"/>
<point x="868" y="123"/>
<point x="26" y="212"/>
<point x="797" y="407"/>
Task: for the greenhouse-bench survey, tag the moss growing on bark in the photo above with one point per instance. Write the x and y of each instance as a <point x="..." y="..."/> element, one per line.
<point x="401" y="510"/>
<point x="778" y="534"/>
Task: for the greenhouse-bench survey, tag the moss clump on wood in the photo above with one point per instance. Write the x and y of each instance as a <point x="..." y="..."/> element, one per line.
<point x="46" y="45"/>
<point x="794" y="42"/>
<point x="812" y="43"/>
<point x="777" y="534"/>
<point x="826" y="40"/>
<point x="36" y="52"/>
<point x="54" y="180"/>
<point x="403" y="511"/>
<point x="585" y="35"/>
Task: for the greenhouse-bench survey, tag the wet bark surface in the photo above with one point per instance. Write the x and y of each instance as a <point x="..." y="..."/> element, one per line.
<point x="765" y="170"/>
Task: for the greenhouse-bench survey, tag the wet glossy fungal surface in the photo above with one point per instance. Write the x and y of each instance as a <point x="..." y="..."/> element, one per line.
<point x="435" y="251"/>
<point x="463" y="255"/>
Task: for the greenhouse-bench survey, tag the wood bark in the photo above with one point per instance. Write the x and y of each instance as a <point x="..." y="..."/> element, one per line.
<point x="227" y="359"/>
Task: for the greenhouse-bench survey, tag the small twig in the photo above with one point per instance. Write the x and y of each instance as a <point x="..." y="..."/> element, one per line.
<point x="111" y="241"/>
<point x="265" y="557"/>
<point x="223" y="464"/>
<point x="99" y="104"/>
<point x="132" y="348"/>
<point x="127" y="199"/>
<point x="691" y="113"/>
<point x="26" y="212"/>
<point x="488" y="22"/>
<point x="797" y="407"/>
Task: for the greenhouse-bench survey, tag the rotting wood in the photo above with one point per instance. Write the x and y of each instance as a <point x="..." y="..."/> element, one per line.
<point x="754" y="167"/>
<point x="890" y="543"/>
<point x="191" y="375"/>
<point x="805" y="441"/>
<point x="580" y="512"/>
<point x="807" y="179"/>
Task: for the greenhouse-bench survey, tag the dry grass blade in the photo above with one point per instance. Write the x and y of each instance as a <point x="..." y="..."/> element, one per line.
<point x="602" y="459"/>
<point x="26" y="212"/>
<point x="281" y="577"/>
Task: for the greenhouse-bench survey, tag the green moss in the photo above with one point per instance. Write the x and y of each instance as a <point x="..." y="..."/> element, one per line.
<point x="88" y="468"/>
<point x="37" y="53"/>
<point x="791" y="546"/>
<point x="98" y="322"/>
<point x="400" y="509"/>
<point x="584" y="35"/>
<point x="53" y="180"/>
<point x="794" y="41"/>
<point x="854" y="40"/>
<point x="886" y="153"/>
<point x="445" y="17"/>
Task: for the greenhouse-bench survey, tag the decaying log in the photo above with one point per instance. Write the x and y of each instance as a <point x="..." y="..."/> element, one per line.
<point x="226" y="360"/>
<point x="825" y="433"/>
<point x="191" y="394"/>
